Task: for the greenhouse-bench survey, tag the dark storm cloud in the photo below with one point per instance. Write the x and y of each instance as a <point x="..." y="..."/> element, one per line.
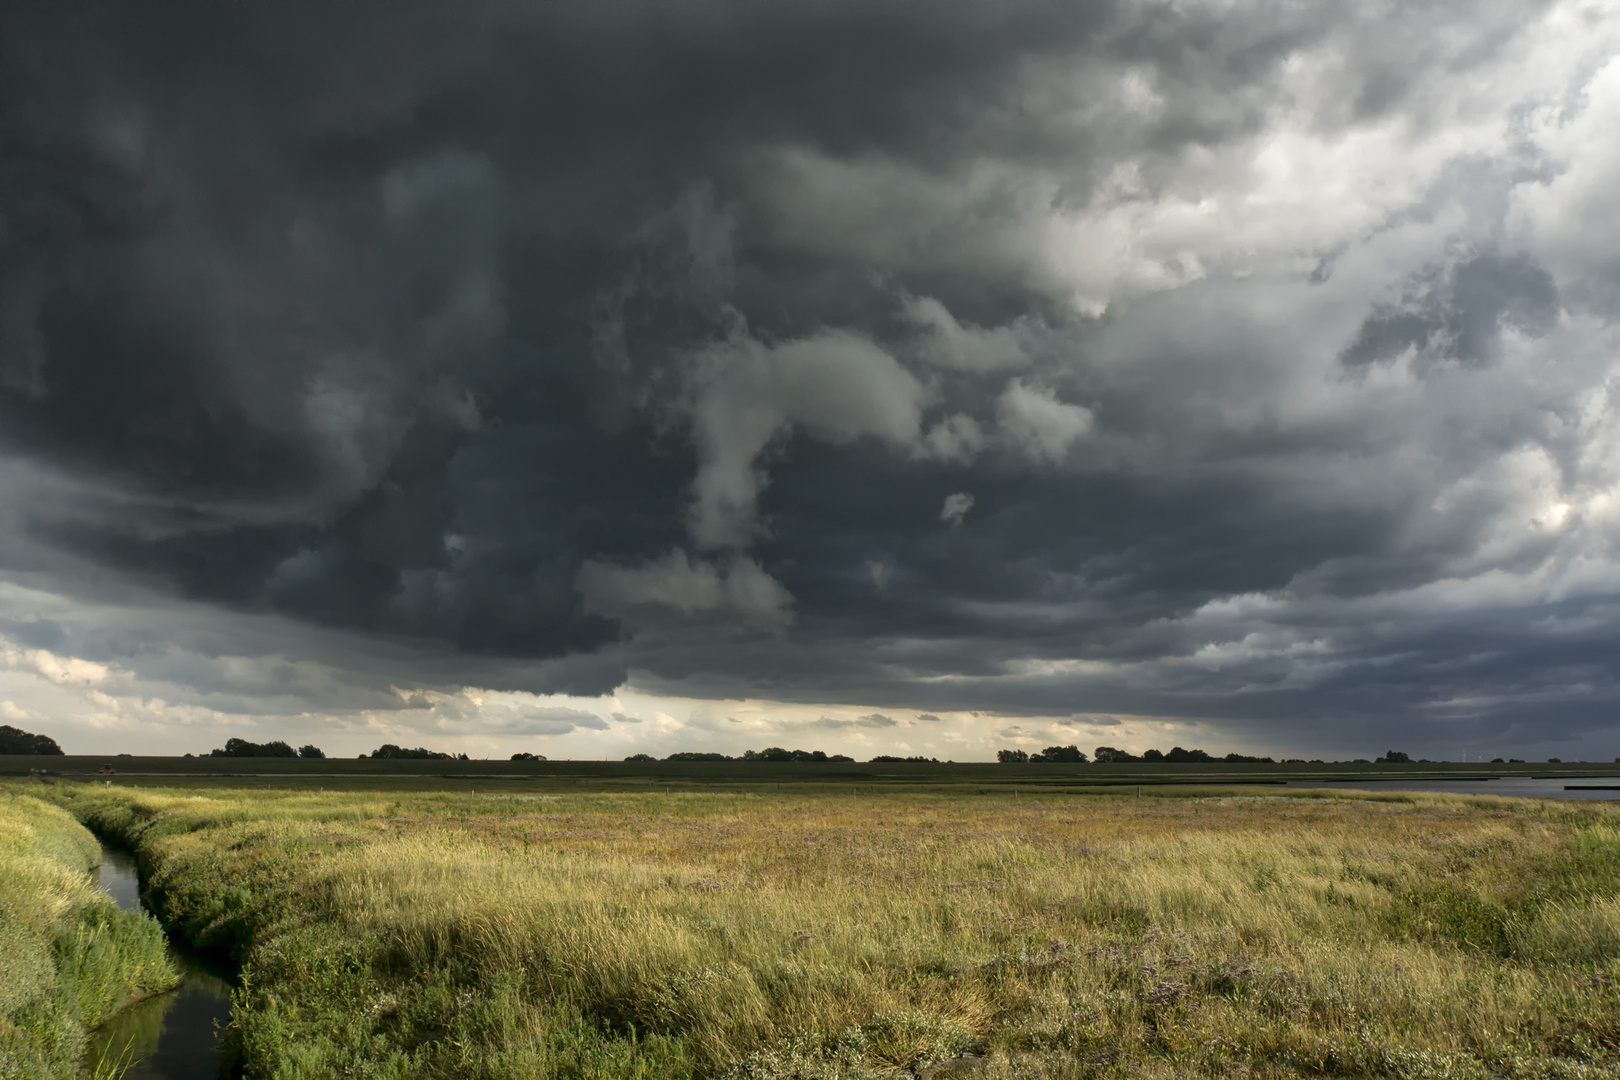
<point x="1034" y="357"/>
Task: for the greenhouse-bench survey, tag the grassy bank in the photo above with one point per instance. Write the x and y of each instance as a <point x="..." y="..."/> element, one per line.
<point x="778" y="935"/>
<point x="68" y="956"/>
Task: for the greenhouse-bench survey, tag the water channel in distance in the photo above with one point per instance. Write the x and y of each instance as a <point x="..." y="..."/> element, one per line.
<point x="173" y="1036"/>
<point x="1533" y="787"/>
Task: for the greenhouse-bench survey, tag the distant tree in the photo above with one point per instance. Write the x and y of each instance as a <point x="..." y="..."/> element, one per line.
<point x="1247" y="759"/>
<point x="1393" y="757"/>
<point x="243" y="748"/>
<point x="389" y="751"/>
<point x="1018" y="757"/>
<point x="1555" y="761"/>
<point x="311" y="751"/>
<point x="641" y="757"/>
<point x="1109" y="755"/>
<point x="17" y="741"/>
<point x="776" y="753"/>
<point x="1153" y="755"/>
<point x="890" y="759"/>
<point x="526" y="756"/>
<point x="1064" y="755"/>
<point x="1520" y="760"/>
<point x="697" y="755"/>
<point x="1186" y="757"/>
<point x="1499" y="761"/>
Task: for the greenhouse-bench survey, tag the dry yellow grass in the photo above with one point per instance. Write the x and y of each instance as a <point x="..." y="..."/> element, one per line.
<point x="782" y="935"/>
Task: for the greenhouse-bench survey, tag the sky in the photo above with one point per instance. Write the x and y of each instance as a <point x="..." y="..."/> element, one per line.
<point x="874" y="377"/>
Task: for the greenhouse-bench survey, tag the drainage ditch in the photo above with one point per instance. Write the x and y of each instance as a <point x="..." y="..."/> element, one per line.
<point x="172" y="1036"/>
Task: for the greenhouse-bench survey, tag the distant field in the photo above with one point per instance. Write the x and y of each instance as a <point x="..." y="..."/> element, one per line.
<point x="741" y="775"/>
<point x="884" y="931"/>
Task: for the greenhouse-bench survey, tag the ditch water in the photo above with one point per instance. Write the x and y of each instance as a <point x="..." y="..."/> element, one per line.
<point x="173" y="1036"/>
<point x="1534" y="787"/>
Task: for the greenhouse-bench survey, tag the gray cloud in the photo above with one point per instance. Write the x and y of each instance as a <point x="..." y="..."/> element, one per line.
<point x="350" y="351"/>
<point x="552" y="722"/>
<point x="674" y="584"/>
<point x="955" y="508"/>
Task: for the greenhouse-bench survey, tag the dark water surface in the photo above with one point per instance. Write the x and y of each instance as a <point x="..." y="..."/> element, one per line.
<point x="173" y="1036"/>
<point x="1522" y="786"/>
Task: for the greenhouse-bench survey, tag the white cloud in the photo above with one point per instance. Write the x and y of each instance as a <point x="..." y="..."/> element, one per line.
<point x="956" y="507"/>
<point x="1040" y="425"/>
<point x="1569" y="217"/>
<point x="950" y="344"/>
<point x="836" y="385"/>
<point x="58" y="669"/>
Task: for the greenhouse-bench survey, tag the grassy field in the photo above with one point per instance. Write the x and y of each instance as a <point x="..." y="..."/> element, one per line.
<point x="870" y="933"/>
<point x="68" y="956"/>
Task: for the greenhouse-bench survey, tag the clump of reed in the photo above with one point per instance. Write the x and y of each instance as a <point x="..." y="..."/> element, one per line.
<point x="68" y="956"/>
<point x="770" y="936"/>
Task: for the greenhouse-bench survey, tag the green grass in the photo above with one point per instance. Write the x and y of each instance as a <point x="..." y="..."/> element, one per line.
<point x="70" y="956"/>
<point x="767" y="935"/>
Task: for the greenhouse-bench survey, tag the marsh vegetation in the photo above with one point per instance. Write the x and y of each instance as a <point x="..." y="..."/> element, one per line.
<point x="819" y="935"/>
<point x="69" y="958"/>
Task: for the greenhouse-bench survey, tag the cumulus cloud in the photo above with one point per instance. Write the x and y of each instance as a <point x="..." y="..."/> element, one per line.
<point x="1271" y="348"/>
<point x="835" y="385"/>
<point x="1037" y="423"/>
<point x="948" y="343"/>
<point x="956" y="506"/>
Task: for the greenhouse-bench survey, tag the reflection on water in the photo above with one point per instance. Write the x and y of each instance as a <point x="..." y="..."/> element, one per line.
<point x="173" y="1036"/>
<point x="117" y="874"/>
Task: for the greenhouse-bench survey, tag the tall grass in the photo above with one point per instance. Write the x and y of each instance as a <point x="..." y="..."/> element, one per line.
<point x="68" y="956"/>
<point x="775" y="936"/>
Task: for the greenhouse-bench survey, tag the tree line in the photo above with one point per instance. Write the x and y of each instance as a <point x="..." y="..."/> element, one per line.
<point x="16" y="741"/>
